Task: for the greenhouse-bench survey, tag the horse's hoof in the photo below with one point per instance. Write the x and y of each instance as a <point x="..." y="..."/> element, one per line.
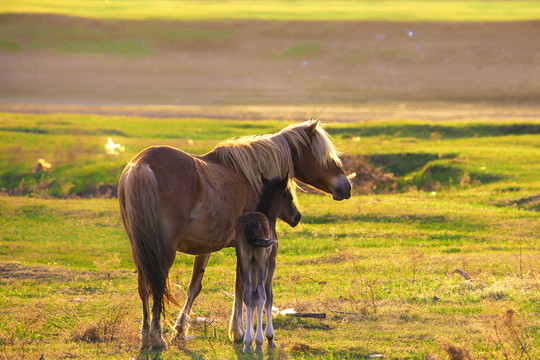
<point x="236" y="337"/>
<point x="236" y="333"/>
<point x="177" y="338"/>
<point x="258" y="348"/>
<point x="271" y="343"/>
<point x="179" y="334"/>
<point x="153" y="348"/>
<point x="153" y="341"/>
<point x="160" y="345"/>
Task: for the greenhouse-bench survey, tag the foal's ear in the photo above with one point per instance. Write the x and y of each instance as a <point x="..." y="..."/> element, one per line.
<point x="264" y="180"/>
<point x="310" y="130"/>
<point x="283" y="183"/>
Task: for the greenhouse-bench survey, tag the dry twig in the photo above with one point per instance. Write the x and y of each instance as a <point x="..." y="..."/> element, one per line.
<point x="463" y="273"/>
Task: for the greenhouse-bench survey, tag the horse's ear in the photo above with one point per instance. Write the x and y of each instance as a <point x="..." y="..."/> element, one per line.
<point x="264" y="180"/>
<point x="310" y="130"/>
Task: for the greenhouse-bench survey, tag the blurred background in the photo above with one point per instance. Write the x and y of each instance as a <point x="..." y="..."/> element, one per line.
<point x="435" y="105"/>
<point x="60" y="54"/>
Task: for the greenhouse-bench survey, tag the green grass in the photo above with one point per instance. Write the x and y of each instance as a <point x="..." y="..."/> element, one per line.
<point x="380" y="265"/>
<point x="422" y="155"/>
<point x="285" y="10"/>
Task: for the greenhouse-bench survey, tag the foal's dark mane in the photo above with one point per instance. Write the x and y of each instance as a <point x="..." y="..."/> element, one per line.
<point x="266" y="204"/>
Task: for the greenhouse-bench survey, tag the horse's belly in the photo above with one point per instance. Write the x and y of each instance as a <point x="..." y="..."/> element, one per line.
<point x="205" y="234"/>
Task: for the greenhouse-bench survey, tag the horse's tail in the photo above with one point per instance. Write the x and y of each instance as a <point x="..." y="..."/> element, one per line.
<point x="251" y="234"/>
<point x="138" y="196"/>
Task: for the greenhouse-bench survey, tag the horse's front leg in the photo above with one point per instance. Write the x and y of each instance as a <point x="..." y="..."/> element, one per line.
<point x="269" y="331"/>
<point x="194" y="288"/>
<point x="236" y="325"/>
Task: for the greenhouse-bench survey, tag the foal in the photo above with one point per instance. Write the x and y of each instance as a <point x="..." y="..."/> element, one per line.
<point x="256" y="250"/>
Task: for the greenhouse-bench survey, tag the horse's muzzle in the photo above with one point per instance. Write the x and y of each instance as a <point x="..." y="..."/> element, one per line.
<point x="342" y="188"/>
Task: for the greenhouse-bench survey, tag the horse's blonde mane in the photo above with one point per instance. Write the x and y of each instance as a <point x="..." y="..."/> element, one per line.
<point x="271" y="155"/>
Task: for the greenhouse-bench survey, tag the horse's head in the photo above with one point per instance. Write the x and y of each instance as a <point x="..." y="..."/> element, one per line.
<point x="282" y="200"/>
<point x="288" y="211"/>
<point x="318" y="164"/>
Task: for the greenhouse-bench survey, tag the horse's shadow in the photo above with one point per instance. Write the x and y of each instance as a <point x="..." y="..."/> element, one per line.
<point x="268" y="354"/>
<point x="149" y="355"/>
<point x="157" y="355"/>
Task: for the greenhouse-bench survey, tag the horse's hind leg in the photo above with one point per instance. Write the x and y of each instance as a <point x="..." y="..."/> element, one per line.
<point x="236" y="325"/>
<point x="155" y="338"/>
<point x="193" y="290"/>
<point x="144" y="294"/>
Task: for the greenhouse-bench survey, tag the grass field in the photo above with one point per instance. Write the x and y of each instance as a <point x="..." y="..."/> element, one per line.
<point x="286" y="10"/>
<point x="380" y="265"/>
<point x="440" y="186"/>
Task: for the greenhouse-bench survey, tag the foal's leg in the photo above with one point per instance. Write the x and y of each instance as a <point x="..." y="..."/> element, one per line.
<point x="269" y="332"/>
<point x="236" y="325"/>
<point x="260" y="298"/>
<point x="248" y="300"/>
<point x="193" y="290"/>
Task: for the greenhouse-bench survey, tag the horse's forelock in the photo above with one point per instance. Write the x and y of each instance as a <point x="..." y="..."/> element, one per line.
<point x="320" y="143"/>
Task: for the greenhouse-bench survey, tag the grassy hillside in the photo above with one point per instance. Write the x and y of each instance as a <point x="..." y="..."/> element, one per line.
<point x="286" y="10"/>
<point x="381" y="265"/>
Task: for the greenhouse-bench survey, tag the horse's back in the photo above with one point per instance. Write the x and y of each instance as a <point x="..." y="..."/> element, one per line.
<point x="166" y="160"/>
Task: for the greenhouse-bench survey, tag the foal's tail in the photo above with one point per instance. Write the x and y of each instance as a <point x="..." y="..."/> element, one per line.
<point x="138" y="196"/>
<point x="251" y="234"/>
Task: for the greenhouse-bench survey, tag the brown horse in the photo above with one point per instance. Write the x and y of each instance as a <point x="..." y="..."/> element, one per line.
<point x="256" y="250"/>
<point x="171" y="201"/>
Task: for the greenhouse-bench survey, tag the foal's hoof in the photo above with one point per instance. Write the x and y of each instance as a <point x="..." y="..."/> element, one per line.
<point x="271" y="343"/>
<point x="247" y="348"/>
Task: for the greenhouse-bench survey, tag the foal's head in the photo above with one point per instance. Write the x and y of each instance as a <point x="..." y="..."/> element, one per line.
<point x="276" y="201"/>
